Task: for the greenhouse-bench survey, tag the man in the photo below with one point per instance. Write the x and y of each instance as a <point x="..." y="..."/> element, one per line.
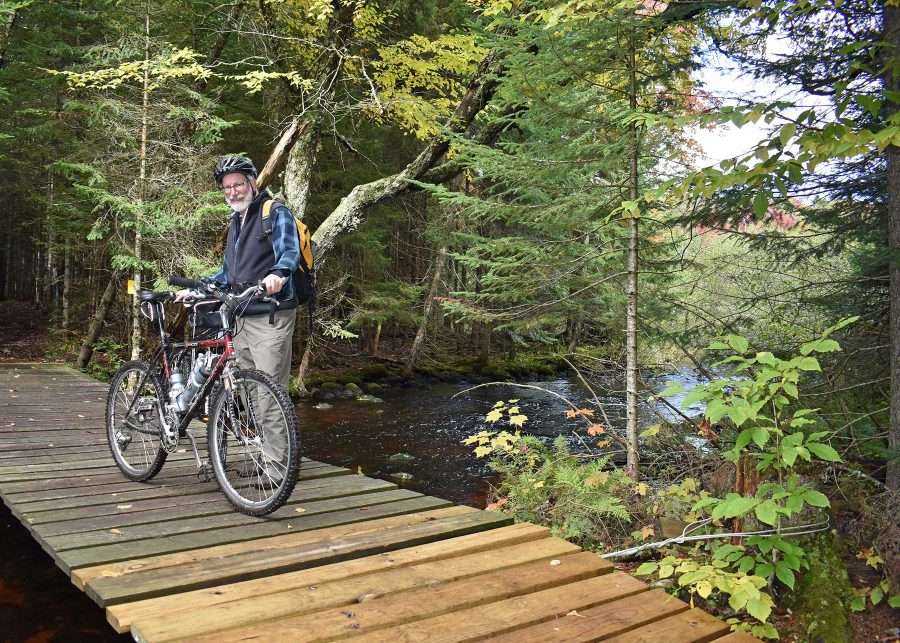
<point x="251" y="255"/>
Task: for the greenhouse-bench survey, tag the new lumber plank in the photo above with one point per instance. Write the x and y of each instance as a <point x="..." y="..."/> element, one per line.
<point x="120" y="616"/>
<point x="486" y="621"/>
<point x="596" y="623"/>
<point x="80" y="577"/>
<point x="346" y="592"/>
<point x="692" y="626"/>
<point x="409" y="606"/>
<point x="117" y="552"/>
<point x="255" y="563"/>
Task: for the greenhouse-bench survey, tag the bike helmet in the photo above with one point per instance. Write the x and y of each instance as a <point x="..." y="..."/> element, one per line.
<point x="232" y="164"/>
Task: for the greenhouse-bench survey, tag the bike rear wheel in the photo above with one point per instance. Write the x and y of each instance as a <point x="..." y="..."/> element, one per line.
<point x="254" y="446"/>
<point x="135" y="439"/>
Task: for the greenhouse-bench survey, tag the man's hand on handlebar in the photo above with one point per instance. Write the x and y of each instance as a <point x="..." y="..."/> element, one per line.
<point x="186" y="295"/>
<point x="273" y="283"/>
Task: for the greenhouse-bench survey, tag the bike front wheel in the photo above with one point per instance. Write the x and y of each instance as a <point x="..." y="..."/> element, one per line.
<point x="133" y="422"/>
<point x="254" y="447"/>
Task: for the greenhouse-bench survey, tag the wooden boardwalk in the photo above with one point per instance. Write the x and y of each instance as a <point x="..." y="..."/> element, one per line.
<point x="348" y="556"/>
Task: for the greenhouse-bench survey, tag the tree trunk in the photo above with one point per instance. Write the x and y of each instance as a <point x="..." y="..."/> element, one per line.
<point x="349" y="212"/>
<point x="5" y="31"/>
<point x="67" y="286"/>
<point x="439" y="263"/>
<point x="135" y="305"/>
<point x="892" y="86"/>
<point x="631" y="369"/>
<point x="376" y="339"/>
<point x="87" y="346"/>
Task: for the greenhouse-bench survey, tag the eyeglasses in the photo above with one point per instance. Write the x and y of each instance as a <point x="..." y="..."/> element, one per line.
<point x="234" y="187"/>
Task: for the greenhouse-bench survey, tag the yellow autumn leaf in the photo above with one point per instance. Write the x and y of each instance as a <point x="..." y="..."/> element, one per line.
<point x="480" y="452"/>
<point x="597" y="479"/>
<point x="514" y="410"/>
<point x="704" y="588"/>
<point x="647" y="531"/>
<point x="641" y="489"/>
<point x="493" y="416"/>
<point x="518" y="420"/>
<point x="539" y="484"/>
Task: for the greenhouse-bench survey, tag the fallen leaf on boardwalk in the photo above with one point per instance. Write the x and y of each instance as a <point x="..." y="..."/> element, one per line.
<point x="555" y="562"/>
<point x="575" y="613"/>
<point x="80" y="415"/>
<point x="494" y="506"/>
<point x="596" y="429"/>
<point x="123" y="506"/>
<point x="115" y="531"/>
<point x="365" y="597"/>
<point x="299" y="510"/>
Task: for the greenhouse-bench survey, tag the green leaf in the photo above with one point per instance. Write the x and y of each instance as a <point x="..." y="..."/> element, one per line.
<point x="734" y="505"/>
<point x="760" y="204"/>
<point x="894" y="601"/>
<point x="767" y="512"/>
<point x="758" y="609"/>
<point x="666" y="570"/>
<point x="808" y="363"/>
<point x="823" y="451"/>
<point x="738" y="343"/>
<point x="760" y="436"/>
<point x="876" y="595"/>
<point x="815" y="498"/>
<point x="789" y="455"/>
<point x="858" y="604"/>
<point x="646" y="568"/>
<point x="746" y="564"/>
<point x="791" y="389"/>
<point x="767" y="358"/>
<point x="784" y="573"/>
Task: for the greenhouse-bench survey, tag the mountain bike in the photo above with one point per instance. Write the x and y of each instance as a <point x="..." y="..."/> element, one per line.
<point x="253" y="444"/>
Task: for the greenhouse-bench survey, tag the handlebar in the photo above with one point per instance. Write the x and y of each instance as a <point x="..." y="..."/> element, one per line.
<point x="250" y="291"/>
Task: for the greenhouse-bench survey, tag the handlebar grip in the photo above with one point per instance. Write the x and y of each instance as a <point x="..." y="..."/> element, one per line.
<point x="184" y="282"/>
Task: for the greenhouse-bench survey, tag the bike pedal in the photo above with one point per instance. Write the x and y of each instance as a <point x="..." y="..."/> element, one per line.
<point x="205" y="473"/>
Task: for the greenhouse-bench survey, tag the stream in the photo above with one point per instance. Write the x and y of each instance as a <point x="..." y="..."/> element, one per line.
<point x="429" y="424"/>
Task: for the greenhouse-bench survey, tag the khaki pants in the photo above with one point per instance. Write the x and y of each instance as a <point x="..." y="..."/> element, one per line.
<point x="268" y="348"/>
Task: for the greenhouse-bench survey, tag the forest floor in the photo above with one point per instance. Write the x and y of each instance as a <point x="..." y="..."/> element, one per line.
<point x="23" y="332"/>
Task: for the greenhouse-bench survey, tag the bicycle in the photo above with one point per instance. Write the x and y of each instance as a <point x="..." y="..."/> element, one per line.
<point x="151" y="403"/>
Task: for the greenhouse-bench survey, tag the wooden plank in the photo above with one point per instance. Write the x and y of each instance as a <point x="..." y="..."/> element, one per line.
<point x="263" y="560"/>
<point x="595" y="623"/>
<point x="304" y="492"/>
<point x="231" y="519"/>
<point x="410" y="606"/>
<point x="197" y="601"/>
<point x="116" y="552"/>
<point x="80" y="577"/>
<point x="98" y="511"/>
<point x="487" y="621"/>
<point x="692" y="626"/>
<point x="344" y="592"/>
<point x="179" y="475"/>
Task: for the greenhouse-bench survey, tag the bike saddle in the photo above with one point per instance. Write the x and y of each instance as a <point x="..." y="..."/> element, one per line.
<point x="148" y="295"/>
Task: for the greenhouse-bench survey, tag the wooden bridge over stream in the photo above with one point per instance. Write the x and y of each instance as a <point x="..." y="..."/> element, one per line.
<point x="349" y="557"/>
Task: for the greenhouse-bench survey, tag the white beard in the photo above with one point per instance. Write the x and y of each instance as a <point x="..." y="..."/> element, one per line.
<point x="240" y="204"/>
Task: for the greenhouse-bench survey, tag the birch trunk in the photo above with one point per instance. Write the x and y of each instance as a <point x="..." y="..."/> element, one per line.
<point x="439" y="263"/>
<point x="631" y="368"/>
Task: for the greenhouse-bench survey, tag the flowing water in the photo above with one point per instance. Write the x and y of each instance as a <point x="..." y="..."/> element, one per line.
<point x="429" y="423"/>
